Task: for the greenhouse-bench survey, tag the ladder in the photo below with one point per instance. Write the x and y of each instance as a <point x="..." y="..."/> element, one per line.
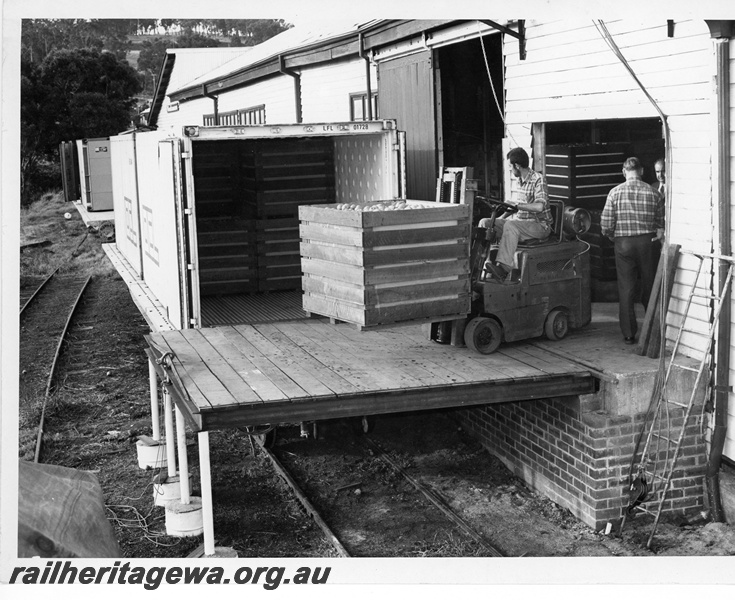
<point x="663" y="439"/>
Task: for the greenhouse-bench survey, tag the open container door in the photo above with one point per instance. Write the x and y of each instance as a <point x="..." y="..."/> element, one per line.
<point x="84" y="192"/>
<point x="125" y="196"/>
<point x="161" y="224"/>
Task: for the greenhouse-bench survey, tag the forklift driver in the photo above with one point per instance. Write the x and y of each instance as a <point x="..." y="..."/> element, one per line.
<point x="533" y="219"/>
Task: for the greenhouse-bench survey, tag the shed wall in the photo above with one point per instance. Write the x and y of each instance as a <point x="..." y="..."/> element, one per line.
<point x="326" y="89"/>
<point x="188" y="113"/>
<point x="277" y="93"/>
<point x="571" y="73"/>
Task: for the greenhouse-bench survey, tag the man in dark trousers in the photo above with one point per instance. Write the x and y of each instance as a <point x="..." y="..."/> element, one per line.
<point x="632" y="218"/>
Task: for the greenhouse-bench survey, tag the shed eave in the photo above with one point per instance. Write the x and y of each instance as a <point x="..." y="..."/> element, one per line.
<point x="335" y="48"/>
<point x="161" y="85"/>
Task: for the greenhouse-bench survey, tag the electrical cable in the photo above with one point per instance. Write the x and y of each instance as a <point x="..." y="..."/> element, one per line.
<point x="658" y="386"/>
<point x="492" y="86"/>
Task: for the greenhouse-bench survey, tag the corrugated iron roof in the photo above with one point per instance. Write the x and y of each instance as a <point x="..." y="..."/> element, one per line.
<point x="296" y="37"/>
<point x="192" y="63"/>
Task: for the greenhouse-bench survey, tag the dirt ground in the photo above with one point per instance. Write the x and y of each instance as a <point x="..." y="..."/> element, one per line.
<point x="102" y="406"/>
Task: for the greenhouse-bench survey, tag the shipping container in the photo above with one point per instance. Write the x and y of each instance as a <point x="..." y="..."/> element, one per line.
<point x="216" y="217"/>
<point x="124" y="172"/>
<point x="95" y="173"/>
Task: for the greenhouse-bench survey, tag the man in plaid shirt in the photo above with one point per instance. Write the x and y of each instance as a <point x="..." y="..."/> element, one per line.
<point x="532" y="220"/>
<point x="633" y="218"/>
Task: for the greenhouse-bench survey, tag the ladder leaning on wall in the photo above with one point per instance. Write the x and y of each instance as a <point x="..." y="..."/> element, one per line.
<point x="650" y="481"/>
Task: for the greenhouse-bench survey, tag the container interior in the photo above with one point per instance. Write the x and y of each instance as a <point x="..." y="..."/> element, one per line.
<point x="247" y="194"/>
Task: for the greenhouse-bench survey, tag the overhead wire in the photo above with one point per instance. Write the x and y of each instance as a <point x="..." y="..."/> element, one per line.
<point x="657" y="393"/>
<point x="492" y="85"/>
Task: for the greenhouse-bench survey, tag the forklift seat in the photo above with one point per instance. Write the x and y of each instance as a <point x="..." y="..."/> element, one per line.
<point x="557" y="227"/>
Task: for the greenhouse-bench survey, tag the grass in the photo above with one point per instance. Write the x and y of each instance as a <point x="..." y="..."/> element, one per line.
<point x="58" y="241"/>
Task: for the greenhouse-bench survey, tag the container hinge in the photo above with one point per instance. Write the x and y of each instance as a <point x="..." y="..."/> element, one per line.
<point x="190" y="266"/>
<point x="188" y="211"/>
<point x="193" y="322"/>
<point x="396" y="147"/>
<point x="186" y="155"/>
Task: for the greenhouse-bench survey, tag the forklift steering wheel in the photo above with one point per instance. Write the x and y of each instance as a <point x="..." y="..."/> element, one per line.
<point x="511" y="208"/>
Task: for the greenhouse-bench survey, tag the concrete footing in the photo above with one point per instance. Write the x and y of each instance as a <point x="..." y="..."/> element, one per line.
<point x="223" y="552"/>
<point x="184" y="520"/>
<point x="168" y="490"/>
<point x="151" y="454"/>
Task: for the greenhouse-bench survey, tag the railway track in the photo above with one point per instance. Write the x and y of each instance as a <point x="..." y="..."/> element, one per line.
<point x="376" y="502"/>
<point x="47" y="313"/>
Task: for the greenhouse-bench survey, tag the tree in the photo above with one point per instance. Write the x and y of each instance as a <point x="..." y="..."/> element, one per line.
<point x="72" y="94"/>
<point x="39" y="37"/>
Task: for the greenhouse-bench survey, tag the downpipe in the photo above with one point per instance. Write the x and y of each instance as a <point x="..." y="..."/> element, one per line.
<point x="722" y="358"/>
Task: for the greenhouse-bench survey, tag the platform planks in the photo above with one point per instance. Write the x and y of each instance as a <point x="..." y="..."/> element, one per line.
<point x="310" y="369"/>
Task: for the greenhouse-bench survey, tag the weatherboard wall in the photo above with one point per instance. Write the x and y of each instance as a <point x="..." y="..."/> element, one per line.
<point x="571" y="74"/>
<point x="325" y="90"/>
<point x="173" y="117"/>
<point x="275" y="93"/>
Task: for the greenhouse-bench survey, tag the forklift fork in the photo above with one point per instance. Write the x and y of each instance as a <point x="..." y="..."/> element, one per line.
<point x="482" y="247"/>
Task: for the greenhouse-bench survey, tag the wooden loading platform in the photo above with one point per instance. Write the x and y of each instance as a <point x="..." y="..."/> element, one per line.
<point x="311" y="369"/>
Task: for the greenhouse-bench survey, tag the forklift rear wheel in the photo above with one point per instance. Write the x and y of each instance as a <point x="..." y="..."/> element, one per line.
<point x="557" y="325"/>
<point x="483" y="335"/>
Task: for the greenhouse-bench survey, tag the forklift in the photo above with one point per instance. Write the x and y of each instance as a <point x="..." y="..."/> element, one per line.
<point x="550" y="296"/>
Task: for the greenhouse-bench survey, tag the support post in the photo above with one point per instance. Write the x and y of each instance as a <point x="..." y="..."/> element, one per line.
<point x="205" y="475"/>
<point x="169" y="425"/>
<point x="155" y="420"/>
<point x="183" y="458"/>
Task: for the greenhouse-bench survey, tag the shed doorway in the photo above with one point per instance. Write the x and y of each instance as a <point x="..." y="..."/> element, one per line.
<point x="582" y="162"/>
<point x="469" y="97"/>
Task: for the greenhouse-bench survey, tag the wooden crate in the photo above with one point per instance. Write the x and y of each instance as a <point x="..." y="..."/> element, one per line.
<point x="602" y="250"/>
<point x="583" y="175"/>
<point x="279" y="261"/>
<point x="228" y="258"/>
<point x="373" y="268"/>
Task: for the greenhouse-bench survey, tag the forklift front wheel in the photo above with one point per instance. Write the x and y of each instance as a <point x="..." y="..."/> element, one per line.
<point x="483" y="335"/>
<point x="557" y="325"/>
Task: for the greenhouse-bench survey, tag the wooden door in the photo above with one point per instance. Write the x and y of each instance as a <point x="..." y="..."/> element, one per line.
<point x="406" y="94"/>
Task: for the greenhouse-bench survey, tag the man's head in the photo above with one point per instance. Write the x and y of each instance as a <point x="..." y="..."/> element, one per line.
<point x="632" y="168"/>
<point x="517" y="159"/>
<point x="660" y="168"/>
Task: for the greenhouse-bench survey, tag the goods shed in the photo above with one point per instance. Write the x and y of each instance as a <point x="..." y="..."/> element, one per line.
<point x="592" y="106"/>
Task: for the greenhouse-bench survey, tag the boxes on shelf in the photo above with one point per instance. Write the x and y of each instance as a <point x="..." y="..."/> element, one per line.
<point x="386" y="262"/>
